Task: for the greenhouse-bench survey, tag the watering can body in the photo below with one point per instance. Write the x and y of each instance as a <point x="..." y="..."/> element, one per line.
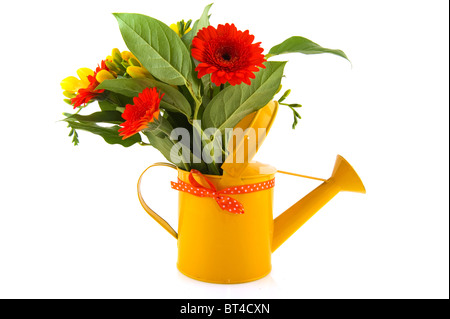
<point x="217" y="246"/>
<point x="221" y="247"/>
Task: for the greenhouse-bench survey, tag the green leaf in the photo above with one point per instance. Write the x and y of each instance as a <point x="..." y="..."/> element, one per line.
<point x="107" y="106"/>
<point x="159" y="49"/>
<point x="73" y="133"/>
<point x="172" y="100"/>
<point x="113" y="117"/>
<point x="164" y="145"/>
<point x="201" y="23"/>
<point x="284" y="96"/>
<point x="113" y="101"/>
<point x="298" y="44"/>
<point x="109" y="134"/>
<point x="177" y="119"/>
<point x="159" y="135"/>
<point x="232" y="104"/>
<point x="160" y="125"/>
<point x="296" y="117"/>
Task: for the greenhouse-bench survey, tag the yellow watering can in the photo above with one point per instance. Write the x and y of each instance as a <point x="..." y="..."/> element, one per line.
<point x="218" y="245"/>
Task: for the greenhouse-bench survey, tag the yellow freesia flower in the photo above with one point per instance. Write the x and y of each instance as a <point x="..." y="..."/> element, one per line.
<point x="126" y="55"/>
<point x="104" y="75"/>
<point x="118" y="62"/>
<point x="124" y="63"/>
<point x="174" y="27"/>
<point x="72" y="84"/>
<point x="138" y="72"/>
<point x="82" y="90"/>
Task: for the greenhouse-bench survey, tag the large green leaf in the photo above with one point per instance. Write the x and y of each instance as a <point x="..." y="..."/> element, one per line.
<point x="113" y="117"/>
<point x="160" y="126"/>
<point x="109" y="134"/>
<point x="164" y="145"/>
<point x="114" y="102"/>
<point x="201" y="23"/>
<point x="107" y="106"/>
<point x="159" y="134"/>
<point x="232" y="104"/>
<point x="298" y="44"/>
<point x="172" y="100"/>
<point x="158" y="48"/>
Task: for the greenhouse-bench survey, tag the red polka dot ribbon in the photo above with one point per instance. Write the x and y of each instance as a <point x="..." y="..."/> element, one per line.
<point x="221" y="197"/>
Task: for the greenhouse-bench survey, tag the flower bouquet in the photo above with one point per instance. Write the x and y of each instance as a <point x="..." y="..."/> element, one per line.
<point x="180" y="88"/>
<point x="187" y="91"/>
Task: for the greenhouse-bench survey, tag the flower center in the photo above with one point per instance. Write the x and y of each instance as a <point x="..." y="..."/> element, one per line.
<point x="226" y="56"/>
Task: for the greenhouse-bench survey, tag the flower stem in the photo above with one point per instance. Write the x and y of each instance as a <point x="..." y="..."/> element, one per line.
<point x="212" y="167"/>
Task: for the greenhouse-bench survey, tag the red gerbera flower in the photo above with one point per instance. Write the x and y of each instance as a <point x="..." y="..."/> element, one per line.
<point x="138" y="116"/>
<point x="228" y="54"/>
<point x="86" y="95"/>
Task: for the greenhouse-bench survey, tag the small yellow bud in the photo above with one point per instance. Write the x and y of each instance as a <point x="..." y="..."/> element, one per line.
<point x="104" y="75"/>
<point x="121" y="67"/>
<point x="134" y="62"/>
<point x="138" y="72"/>
<point x="126" y="55"/>
<point x="117" y="57"/>
<point x="112" y="66"/>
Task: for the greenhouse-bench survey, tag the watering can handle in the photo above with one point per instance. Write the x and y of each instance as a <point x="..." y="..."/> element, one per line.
<point x="150" y="211"/>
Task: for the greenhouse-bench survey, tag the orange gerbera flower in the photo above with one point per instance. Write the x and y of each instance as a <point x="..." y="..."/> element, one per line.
<point x="89" y="93"/>
<point x="138" y="116"/>
<point x="228" y="54"/>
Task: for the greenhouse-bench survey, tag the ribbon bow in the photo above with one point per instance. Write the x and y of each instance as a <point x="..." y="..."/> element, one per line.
<point x="221" y="197"/>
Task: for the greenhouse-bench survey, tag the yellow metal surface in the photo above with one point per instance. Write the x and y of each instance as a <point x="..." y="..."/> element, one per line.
<point x="242" y="151"/>
<point x="147" y="208"/>
<point x="220" y="247"/>
<point x="344" y="178"/>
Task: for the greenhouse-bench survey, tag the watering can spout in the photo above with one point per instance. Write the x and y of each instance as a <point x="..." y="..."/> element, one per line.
<point x="346" y="176"/>
<point x="343" y="178"/>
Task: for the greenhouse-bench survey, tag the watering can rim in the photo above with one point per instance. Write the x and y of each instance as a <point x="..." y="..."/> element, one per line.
<point x="248" y="173"/>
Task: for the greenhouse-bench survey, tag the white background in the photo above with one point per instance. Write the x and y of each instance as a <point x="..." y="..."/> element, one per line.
<point x="70" y="222"/>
